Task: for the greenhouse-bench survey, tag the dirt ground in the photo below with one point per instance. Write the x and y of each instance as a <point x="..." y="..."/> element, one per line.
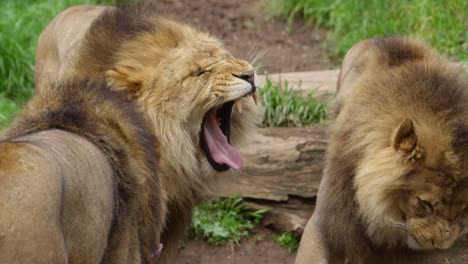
<point x="259" y="248"/>
<point x="246" y="30"/>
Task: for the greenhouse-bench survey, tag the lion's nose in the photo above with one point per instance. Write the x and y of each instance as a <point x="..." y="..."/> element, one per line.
<point x="248" y="76"/>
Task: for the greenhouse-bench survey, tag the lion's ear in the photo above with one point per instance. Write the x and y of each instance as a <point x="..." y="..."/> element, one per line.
<point x="124" y="78"/>
<point x="404" y="137"/>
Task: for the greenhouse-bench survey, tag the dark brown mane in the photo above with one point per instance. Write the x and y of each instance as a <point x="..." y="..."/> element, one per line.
<point x="116" y="26"/>
<point x="91" y="109"/>
<point x="399" y="50"/>
<point x="436" y="85"/>
<point x="107" y="33"/>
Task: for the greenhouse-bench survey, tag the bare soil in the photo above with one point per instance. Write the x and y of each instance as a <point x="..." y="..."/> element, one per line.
<point x="246" y="30"/>
<point x="259" y="248"/>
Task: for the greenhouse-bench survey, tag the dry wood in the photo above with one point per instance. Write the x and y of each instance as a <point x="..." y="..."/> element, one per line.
<point x="324" y="82"/>
<point x="292" y="215"/>
<point x="282" y="170"/>
<point x="279" y="163"/>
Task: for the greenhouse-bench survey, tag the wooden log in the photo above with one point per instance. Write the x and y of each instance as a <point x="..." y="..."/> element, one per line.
<point x="292" y="215"/>
<point x="278" y="163"/>
<point x="282" y="170"/>
<point x="323" y="82"/>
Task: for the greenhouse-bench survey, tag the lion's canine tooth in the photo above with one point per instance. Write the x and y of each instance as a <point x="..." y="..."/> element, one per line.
<point x="254" y="96"/>
<point x="238" y="104"/>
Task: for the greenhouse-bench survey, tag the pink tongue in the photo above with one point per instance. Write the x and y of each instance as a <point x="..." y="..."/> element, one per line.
<point x="220" y="149"/>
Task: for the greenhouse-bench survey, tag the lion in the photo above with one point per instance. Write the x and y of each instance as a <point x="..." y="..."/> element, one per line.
<point x="395" y="182"/>
<point x="79" y="180"/>
<point x="199" y="100"/>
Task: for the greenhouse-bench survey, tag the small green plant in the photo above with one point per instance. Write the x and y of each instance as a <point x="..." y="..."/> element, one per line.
<point x="288" y="240"/>
<point x="287" y="107"/>
<point x="223" y="221"/>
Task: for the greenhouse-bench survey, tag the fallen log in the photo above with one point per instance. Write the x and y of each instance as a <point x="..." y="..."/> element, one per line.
<point x="322" y="82"/>
<point x="292" y="215"/>
<point x="279" y="163"/>
<point x="282" y="170"/>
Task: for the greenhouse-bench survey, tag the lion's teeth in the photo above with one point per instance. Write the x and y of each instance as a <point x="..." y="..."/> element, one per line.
<point x="238" y="104"/>
<point x="254" y="96"/>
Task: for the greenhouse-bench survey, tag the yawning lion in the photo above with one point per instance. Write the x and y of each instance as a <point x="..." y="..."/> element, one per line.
<point x="183" y="82"/>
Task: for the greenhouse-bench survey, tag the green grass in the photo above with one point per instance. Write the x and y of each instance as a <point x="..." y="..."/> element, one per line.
<point x="285" y="106"/>
<point x="442" y="23"/>
<point x="21" y="22"/>
<point x="223" y="221"/>
<point x="8" y="109"/>
<point x="288" y="240"/>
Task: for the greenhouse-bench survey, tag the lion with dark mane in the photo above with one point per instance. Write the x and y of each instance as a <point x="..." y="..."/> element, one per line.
<point x="395" y="182"/>
<point x="79" y="180"/>
<point x="180" y="86"/>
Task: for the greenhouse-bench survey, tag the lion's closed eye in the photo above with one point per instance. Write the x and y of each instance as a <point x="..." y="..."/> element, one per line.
<point x="426" y="205"/>
<point x="200" y="73"/>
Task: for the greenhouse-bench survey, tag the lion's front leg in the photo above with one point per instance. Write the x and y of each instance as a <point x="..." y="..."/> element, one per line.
<point x="313" y="248"/>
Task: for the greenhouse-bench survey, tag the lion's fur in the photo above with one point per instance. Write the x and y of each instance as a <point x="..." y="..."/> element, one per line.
<point x="155" y="62"/>
<point x="82" y="157"/>
<point x="399" y="135"/>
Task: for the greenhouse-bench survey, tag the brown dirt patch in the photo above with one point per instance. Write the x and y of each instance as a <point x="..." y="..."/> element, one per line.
<point x="266" y="251"/>
<point x="246" y="30"/>
<point x="259" y="248"/>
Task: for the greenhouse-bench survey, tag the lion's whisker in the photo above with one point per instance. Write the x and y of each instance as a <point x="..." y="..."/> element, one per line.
<point x="251" y="53"/>
<point x="259" y="56"/>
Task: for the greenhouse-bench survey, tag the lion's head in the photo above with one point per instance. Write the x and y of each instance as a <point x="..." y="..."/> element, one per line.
<point x="435" y="214"/>
<point x="200" y="99"/>
<point x="414" y="192"/>
<point x="411" y="185"/>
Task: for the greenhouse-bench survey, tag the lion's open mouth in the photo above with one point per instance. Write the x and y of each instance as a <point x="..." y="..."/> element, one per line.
<point x="215" y="137"/>
<point x="215" y="141"/>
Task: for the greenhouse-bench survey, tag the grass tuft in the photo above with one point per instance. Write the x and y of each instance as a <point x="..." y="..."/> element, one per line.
<point x="223" y="221"/>
<point x="286" y="107"/>
<point x="442" y="23"/>
<point x="288" y="240"/>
